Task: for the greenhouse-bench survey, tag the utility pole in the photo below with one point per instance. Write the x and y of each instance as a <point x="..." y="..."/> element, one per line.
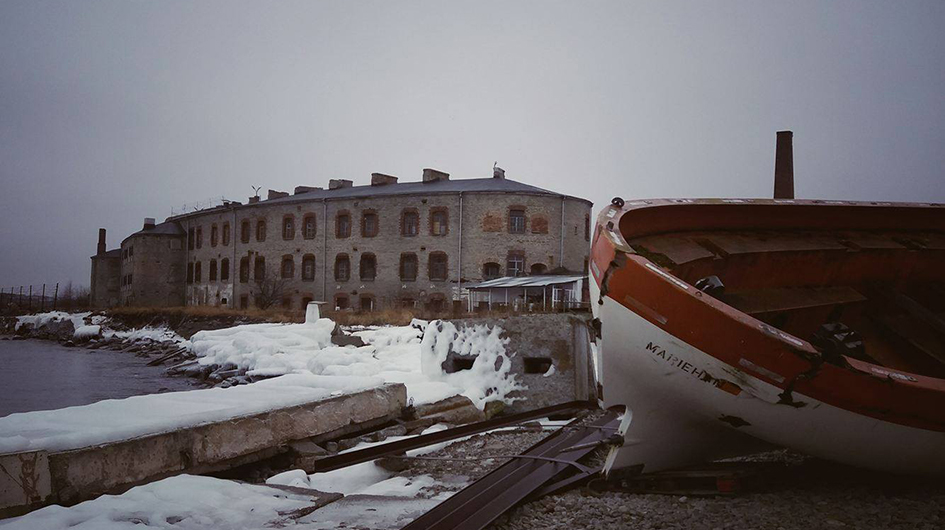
<point x="55" y="298"/>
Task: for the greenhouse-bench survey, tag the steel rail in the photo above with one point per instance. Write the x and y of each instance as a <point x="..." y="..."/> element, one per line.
<point x="378" y="451"/>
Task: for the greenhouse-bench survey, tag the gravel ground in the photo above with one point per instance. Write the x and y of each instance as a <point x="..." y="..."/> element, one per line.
<point x="806" y="494"/>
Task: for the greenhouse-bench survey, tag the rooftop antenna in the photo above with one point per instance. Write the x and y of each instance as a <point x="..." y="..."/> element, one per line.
<point x="256" y="189"/>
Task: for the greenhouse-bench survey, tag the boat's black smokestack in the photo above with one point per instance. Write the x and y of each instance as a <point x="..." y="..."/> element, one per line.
<point x="784" y="166"/>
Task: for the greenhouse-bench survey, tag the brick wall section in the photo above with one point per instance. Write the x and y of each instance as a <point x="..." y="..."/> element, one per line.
<point x="485" y="237"/>
<point x="157" y="268"/>
<point x="106" y="280"/>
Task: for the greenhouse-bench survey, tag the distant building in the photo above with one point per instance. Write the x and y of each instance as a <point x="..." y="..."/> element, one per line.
<point x="360" y="247"/>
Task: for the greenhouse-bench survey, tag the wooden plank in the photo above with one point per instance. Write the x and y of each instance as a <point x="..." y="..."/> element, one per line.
<point x="791" y="298"/>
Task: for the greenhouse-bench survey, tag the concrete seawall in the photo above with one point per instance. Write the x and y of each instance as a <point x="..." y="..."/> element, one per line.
<point x="32" y="479"/>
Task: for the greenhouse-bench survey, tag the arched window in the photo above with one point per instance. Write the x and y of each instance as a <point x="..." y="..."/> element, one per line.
<point x="288" y="227"/>
<point x="409" y="223"/>
<point x="259" y="269"/>
<point x="244" y="232"/>
<point x="491" y="271"/>
<point x="308" y="268"/>
<point x="196" y="272"/>
<point x="199" y="237"/>
<point x="369" y="226"/>
<point x="190" y="272"/>
<point x="342" y="225"/>
<point x="408" y="267"/>
<point x="226" y="234"/>
<point x="342" y="268"/>
<point x="368" y="268"/>
<point x="261" y="230"/>
<point x="212" y="273"/>
<point x="244" y="269"/>
<point x="537" y="268"/>
<point x="439" y="222"/>
<point x="214" y="235"/>
<point x="225" y="269"/>
<point x="309" y="228"/>
<point x="288" y="267"/>
<point x="438" y="266"/>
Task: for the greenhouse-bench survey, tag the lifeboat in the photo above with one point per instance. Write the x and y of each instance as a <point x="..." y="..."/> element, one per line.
<point x="732" y="325"/>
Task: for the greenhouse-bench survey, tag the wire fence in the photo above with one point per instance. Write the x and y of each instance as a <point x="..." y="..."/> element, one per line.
<point x="18" y="299"/>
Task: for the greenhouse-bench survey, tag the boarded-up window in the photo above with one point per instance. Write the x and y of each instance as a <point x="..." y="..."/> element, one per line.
<point x="225" y="269"/>
<point x="539" y="224"/>
<point x="212" y="273"/>
<point x="244" y="269"/>
<point x="260" y="230"/>
<point x="244" y="232"/>
<point x="368" y="266"/>
<point x="438" y="266"/>
<point x="308" y="268"/>
<point x="199" y="237"/>
<point x="341" y="302"/>
<point x="259" y="269"/>
<point x="226" y="234"/>
<point x="537" y="268"/>
<point x="214" y="235"/>
<point x="197" y="272"/>
<point x="408" y="267"/>
<point x="491" y="271"/>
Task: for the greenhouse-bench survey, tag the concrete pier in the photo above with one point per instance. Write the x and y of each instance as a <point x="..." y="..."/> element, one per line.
<point x="31" y="479"/>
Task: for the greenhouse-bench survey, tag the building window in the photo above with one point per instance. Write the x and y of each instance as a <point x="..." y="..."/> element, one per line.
<point x="439" y="222"/>
<point x="409" y="223"/>
<point x="199" y="237"/>
<point x="515" y="265"/>
<point x="438" y="266"/>
<point x="305" y="301"/>
<point x="190" y="272"/>
<point x="368" y="224"/>
<point x="226" y="234"/>
<point x="197" y="272"/>
<point x="491" y="271"/>
<point x="342" y="225"/>
<point x="308" y="268"/>
<point x="190" y="240"/>
<point x="244" y="232"/>
<point x="537" y="268"/>
<point x="259" y="269"/>
<point x="436" y="303"/>
<point x="212" y="273"/>
<point x="587" y="227"/>
<point x="244" y="301"/>
<point x="341" y="302"/>
<point x="516" y="221"/>
<point x="225" y="269"/>
<point x="244" y="269"/>
<point x="213" y="235"/>
<point x="308" y="226"/>
<point x="368" y="267"/>
<point x="288" y="267"/>
<point x="342" y="268"/>
<point x="261" y="230"/>
<point x="408" y="267"/>
<point x="367" y="302"/>
<point x="288" y="227"/>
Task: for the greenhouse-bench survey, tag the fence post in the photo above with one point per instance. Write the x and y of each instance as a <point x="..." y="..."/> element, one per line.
<point x="55" y="298"/>
<point x="20" y="304"/>
<point x="42" y="300"/>
<point x="29" y="301"/>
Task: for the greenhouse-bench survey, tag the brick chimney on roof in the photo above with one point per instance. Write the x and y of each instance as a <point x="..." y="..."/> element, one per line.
<point x="337" y="184"/>
<point x="101" y="241"/>
<point x="380" y="179"/>
<point x="784" y="166"/>
<point x="434" y="175"/>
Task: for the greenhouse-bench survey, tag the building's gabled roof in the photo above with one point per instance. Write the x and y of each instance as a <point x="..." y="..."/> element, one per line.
<point x="167" y="228"/>
<point x="481" y="185"/>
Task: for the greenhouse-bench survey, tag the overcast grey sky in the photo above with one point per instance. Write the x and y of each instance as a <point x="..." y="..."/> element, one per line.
<point x="114" y="111"/>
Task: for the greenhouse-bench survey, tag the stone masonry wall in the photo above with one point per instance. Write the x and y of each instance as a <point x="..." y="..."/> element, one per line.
<point x="156" y="266"/>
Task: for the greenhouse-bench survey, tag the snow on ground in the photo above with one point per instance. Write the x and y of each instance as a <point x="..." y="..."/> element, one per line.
<point x="181" y="502"/>
<point x="88" y="326"/>
<point x="393" y="354"/>
<point x="121" y="419"/>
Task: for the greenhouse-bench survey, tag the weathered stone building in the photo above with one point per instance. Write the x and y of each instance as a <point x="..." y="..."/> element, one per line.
<point x="361" y="247"/>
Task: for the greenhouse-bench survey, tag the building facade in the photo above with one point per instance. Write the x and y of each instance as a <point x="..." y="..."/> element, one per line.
<point x="369" y="247"/>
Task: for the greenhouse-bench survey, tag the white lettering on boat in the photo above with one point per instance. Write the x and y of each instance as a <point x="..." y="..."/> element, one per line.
<point x="690" y="368"/>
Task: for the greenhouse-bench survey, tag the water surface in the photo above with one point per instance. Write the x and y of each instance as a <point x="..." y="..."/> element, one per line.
<point x="43" y="375"/>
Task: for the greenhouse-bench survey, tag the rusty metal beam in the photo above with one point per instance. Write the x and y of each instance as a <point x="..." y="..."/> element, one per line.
<point x="480" y="503"/>
<point x="400" y="446"/>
